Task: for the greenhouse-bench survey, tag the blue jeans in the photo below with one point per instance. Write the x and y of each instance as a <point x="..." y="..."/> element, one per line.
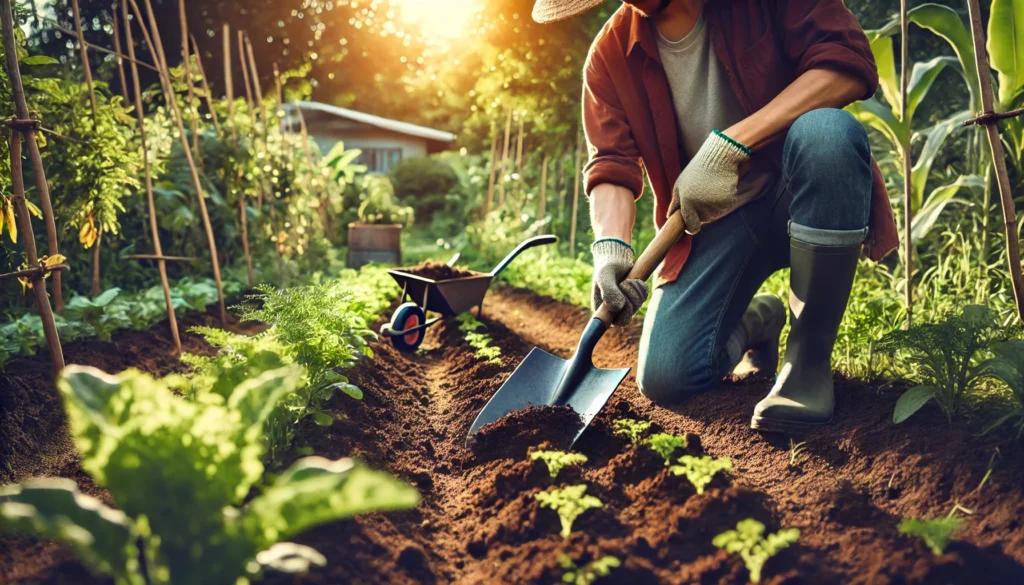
<point x="822" y="197"/>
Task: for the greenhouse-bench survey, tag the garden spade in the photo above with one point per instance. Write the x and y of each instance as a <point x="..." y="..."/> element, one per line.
<point x="546" y="380"/>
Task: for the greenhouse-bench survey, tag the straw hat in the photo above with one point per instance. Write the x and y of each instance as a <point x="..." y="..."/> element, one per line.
<point x="545" y="11"/>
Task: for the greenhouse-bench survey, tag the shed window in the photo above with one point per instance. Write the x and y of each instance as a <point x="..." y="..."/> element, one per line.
<point x="380" y="160"/>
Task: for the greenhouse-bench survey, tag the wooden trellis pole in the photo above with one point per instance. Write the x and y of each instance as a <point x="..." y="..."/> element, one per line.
<point x="255" y="74"/>
<point x="229" y="87"/>
<point x="186" y="64"/>
<point x="990" y="120"/>
<point x="120" y="62"/>
<point x="542" y="206"/>
<point x="908" y="213"/>
<point x="158" y="251"/>
<point x="24" y="128"/>
<point x="575" y="198"/>
<point x="245" y="75"/>
<point x="229" y="96"/>
<point x="160" y="57"/>
<point x="206" y="85"/>
<point x="504" y="159"/>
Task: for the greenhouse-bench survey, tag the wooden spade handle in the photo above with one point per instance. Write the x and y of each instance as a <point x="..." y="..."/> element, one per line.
<point x="650" y="259"/>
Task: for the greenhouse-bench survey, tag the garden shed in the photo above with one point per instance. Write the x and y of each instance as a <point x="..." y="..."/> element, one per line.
<point x="384" y="142"/>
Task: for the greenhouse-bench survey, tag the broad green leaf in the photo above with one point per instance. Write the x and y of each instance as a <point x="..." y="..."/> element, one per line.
<point x="106" y="297"/>
<point x="936" y="137"/>
<point x="256" y="398"/>
<point x="882" y="49"/>
<point x="872" y="113"/>
<point x="323" y="419"/>
<point x="39" y="60"/>
<point x="911" y="401"/>
<point x="925" y="218"/>
<point x="316" y="491"/>
<point x="921" y="80"/>
<point x="1006" y="48"/>
<point x="946" y="23"/>
<point x="102" y="537"/>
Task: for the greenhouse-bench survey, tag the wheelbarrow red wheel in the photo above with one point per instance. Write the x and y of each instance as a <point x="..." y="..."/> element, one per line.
<point x="406" y="317"/>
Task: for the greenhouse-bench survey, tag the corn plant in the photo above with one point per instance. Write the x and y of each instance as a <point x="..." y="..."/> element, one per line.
<point x="754" y="548"/>
<point x="935" y="533"/>
<point x="948" y="354"/>
<point x="481" y="342"/>
<point x="568" y="502"/>
<point x="181" y="474"/>
<point x="556" y="461"/>
<point x="634" y="430"/>
<point x="589" y="573"/>
<point x="665" y="445"/>
<point x="1008" y="366"/>
<point x="700" y="470"/>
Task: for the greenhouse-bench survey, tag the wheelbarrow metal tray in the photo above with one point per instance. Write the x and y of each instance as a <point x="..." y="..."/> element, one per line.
<point x="447" y="297"/>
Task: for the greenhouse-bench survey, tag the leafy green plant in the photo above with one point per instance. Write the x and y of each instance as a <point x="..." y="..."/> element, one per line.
<point x="568" y="502"/>
<point x="796" y="450"/>
<point x="1007" y="365"/>
<point x="632" y="429"/>
<point x="556" y="461"/>
<point x="700" y="470"/>
<point x="99" y="314"/>
<point x="748" y="541"/>
<point x="481" y="342"/>
<point x="935" y="533"/>
<point x="947" y="354"/>
<point x="665" y="445"/>
<point x="589" y="573"/>
<point x="182" y="474"/>
<point x="380" y="206"/>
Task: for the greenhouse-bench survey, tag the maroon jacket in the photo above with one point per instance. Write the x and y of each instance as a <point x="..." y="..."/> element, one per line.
<point x="764" y="45"/>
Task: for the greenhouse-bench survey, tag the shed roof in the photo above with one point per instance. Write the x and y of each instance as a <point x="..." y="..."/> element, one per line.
<point x="371" y="120"/>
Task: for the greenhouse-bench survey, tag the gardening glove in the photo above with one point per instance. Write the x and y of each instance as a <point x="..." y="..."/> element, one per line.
<point x="613" y="259"/>
<point x="706" y="189"/>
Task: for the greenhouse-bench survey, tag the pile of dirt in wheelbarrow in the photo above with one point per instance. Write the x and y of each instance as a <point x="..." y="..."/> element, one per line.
<point x="438" y="271"/>
<point x="846" y="488"/>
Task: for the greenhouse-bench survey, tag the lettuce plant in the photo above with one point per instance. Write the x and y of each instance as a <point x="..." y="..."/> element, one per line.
<point x="101" y="315"/>
<point x="948" y="355"/>
<point x="182" y="474"/>
<point x="556" y="461"/>
<point x="569" y="502"/>
<point x="754" y="548"/>
<point x="589" y="573"/>
<point x="700" y="470"/>
<point x="665" y="445"/>
<point x="633" y="430"/>
<point x="936" y="533"/>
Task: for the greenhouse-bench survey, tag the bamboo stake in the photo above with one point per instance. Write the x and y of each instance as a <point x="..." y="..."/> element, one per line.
<point x="161" y="58"/>
<point x="998" y="158"/>
<point x="325" y="215"/>
<point x="229" y="92"/>
<point x="908" y="216"/>
<point x="18" y="188"/>
<point x="245" y="74"/>
<point x="255" y="74"/>
<point x="575" y="200"/>
<point x="542" y="207"/>
<point x="229" y="87"/>
<point x="123" y="57"/>
<point x="186" y="63"/>
<point x="206" y="85"/>
<point x="504" y="160"/>
<point x="29" y="134"/>
<point x="154" y="230"/>
<point x="489" y="202"/>
<point x="117" y="49"/>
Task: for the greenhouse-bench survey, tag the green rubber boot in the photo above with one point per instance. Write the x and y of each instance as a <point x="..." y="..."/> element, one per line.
<point x="819" y="287"/>
<point x="753" y="347"/>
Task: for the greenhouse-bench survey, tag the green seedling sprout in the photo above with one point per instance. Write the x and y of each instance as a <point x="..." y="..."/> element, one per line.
<point x="700" y="470"/>
<point x="634" y="430"/>
<point x="481" y="342"/>
<point x="558" y="460"/>
<point x="796" y="450"/>
<point x="754" y="548"/>
<point x="937" y="532"/>
<point x="569" y="502"/>
<point x="588" y="573"/>
<point x="665" y="445"/>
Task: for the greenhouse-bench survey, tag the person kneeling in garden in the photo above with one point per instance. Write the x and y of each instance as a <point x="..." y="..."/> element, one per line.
<point x="732" y="109"/>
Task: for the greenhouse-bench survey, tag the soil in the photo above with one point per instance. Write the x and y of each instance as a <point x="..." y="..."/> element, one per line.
<point x="439" y="271"/>
<point x="479" y="521"/>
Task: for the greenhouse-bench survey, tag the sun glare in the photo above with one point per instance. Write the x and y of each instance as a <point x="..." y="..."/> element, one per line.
<point x="439" y="18"/>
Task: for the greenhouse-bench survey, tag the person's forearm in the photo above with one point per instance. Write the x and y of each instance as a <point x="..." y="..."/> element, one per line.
<point x="612" y="212"/>
<point x="817" y="88"/>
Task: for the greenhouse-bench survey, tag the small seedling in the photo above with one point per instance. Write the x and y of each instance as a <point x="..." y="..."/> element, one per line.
<point x="795" y="451"/>
<point x="634" y="430"/>
<point x="481" y="342"/>
<point x="558" y="460"/>
<point x="700" y="470"/>
<point x="569" y="502"/>
<point x="665" y="445"/>
<point x="588" y="573"/>
<point x="937" y="532"/>
<point x="754" y="548"/>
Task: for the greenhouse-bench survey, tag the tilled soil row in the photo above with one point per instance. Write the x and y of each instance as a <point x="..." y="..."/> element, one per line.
<point x="480" y="523"/>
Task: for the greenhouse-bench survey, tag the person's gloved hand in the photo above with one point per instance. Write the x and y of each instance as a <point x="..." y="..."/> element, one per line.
<point x="706" y="189"/>
<point x="613" y="259"/>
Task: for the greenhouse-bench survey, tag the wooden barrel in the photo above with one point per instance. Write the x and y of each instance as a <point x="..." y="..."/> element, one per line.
<point x="381" y="244"/>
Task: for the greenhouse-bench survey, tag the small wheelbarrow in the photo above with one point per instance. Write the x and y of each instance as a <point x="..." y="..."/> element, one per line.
<point x="448" y="298"/>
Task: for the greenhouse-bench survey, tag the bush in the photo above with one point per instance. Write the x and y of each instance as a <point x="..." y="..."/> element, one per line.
<point x="424" y="183"/>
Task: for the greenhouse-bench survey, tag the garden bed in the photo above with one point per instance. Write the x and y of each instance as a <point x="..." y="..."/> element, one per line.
<point x="478" y="521"/>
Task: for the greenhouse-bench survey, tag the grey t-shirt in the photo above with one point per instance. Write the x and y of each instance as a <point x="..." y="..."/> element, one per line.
<point x="704" y="100"/>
